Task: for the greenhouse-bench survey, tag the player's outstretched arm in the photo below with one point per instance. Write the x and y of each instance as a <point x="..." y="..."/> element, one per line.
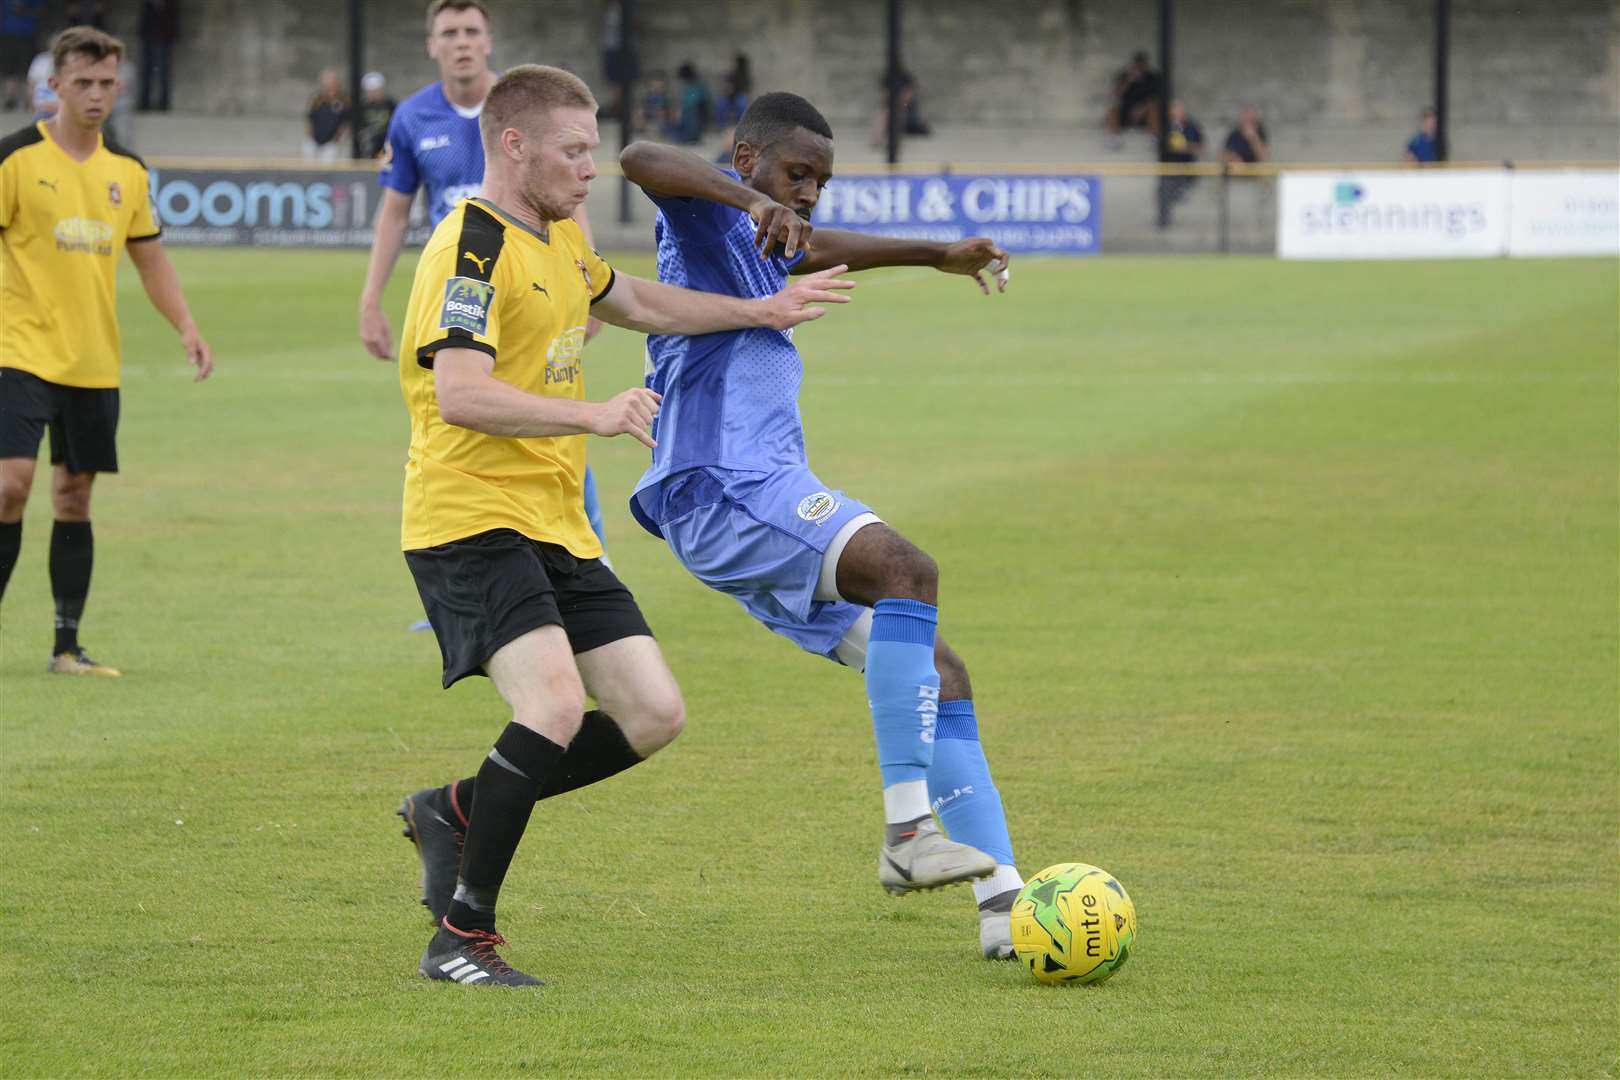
<point x="858" y="251"/>
<point x="388" y="237"/>
<point x="652" y="307"/>
<point x="470" y="396"/>
<point x="162" y="286"/>
<point x="668" y="172"/>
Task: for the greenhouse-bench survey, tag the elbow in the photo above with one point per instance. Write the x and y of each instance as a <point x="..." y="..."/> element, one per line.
<point x="635" y="159"/>
<point x="636" y="153"/>
<point x="454" y="407"/>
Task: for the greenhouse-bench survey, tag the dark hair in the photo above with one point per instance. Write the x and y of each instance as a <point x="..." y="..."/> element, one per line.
<point x="437" y="7"/>
<point x="776" y="114"/>
<point x="95" y="45"/>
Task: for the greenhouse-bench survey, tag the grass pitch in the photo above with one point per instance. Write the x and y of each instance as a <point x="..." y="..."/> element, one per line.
<point x="1289" y="594"/>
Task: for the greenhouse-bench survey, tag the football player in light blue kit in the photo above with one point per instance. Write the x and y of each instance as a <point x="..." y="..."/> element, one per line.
<point x="433" y="143"/>
<point x="732" y="494"/>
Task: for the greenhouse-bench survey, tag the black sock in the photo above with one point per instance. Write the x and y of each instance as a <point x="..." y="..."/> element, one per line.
<point x="599" y="751"/>
<point x="509" y="782"/>
<point x="73" y="553"/>
<point x="10" y="544"/>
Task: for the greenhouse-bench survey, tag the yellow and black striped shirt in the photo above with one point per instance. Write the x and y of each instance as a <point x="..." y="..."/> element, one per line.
<point x="490" y="283"/>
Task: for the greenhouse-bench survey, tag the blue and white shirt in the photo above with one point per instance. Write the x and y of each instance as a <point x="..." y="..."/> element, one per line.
<point x="434" y="143"/>
<point x="731" y="400"/>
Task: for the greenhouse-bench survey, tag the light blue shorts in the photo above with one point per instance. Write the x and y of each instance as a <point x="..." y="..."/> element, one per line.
<point x="759" y="537"/>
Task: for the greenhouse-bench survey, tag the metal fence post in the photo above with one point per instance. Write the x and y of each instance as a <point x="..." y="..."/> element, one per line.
<point x="1224" y="226"/>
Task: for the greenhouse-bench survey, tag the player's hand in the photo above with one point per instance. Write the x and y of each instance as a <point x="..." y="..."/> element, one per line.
<point x="198" y="353"/>
<point x="973" y="257"/>
<point x="374" y="332"/>
<point x="790" y="307"/>
<point x="779" y="225"/>
<point x="629" y="413"/>
<point x="593" y="326"/>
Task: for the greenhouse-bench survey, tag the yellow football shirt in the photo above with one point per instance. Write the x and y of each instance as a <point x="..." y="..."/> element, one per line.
<point x="486" y="281"/>
<point x="63" y="224"/>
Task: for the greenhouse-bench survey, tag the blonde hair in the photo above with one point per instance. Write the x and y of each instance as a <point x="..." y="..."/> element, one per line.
<point x="85" y="41"/>
<point x="530" y="88"/>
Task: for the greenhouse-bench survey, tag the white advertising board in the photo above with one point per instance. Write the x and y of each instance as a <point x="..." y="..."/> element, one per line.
<point x="1565" y="213"/>
<point x="1421" y="214"/>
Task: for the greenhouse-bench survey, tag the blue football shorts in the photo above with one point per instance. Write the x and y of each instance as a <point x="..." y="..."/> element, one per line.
<point x="759" y="537"/>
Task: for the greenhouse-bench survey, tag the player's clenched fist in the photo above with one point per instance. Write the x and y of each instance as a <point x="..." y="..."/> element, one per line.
<point x="629" y="413"/>
<point x="790" y="307"/>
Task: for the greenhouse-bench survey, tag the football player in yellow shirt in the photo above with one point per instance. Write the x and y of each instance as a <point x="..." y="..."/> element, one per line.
<point x="495" y="533"/>
<point x="70" y="200"/>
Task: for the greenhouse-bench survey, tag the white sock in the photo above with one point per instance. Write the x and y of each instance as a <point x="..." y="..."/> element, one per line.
<point x="1006" y="877"/>
<point x="905" y="801"/>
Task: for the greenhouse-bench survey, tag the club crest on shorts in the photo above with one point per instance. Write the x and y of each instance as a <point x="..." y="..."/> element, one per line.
<point x="115" y="194"/>
<point x="817" y="507"/>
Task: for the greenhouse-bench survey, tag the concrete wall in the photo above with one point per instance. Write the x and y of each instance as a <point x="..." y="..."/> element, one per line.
<point x="1334" y="78"/>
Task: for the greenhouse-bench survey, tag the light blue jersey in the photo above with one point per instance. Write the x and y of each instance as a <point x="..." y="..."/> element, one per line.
<point x="729" y="488"/>
<point x="732" y="399"/>
<point x="434" y="144"/>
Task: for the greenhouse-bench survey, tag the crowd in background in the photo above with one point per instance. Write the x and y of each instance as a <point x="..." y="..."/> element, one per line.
<point x="1137" y="103"/>
<point x="685" y="110"/>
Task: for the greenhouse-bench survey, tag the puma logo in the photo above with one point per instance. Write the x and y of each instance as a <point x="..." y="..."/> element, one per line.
<point x="476" y="261"/>
<point x="539" y="288"/>
<point x="50" y="184"/>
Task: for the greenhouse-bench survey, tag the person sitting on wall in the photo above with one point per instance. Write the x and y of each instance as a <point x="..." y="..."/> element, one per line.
<point x="1247" y="144"/>
<point x="1136" y="94"/>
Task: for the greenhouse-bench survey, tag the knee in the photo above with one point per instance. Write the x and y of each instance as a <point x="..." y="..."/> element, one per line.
<point x="70" y="499"/>
<point x="557" y="716"/>
<point x="655" y="724"/>
<point x="13" y="500"/>
<point x="915" y="576"/>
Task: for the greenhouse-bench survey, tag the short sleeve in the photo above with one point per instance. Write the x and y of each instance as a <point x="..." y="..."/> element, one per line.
<point x="143" y="222"/>
<point x="399" y="159"/>
<point x="598" y="273"/>
<point x="460" y="309"/>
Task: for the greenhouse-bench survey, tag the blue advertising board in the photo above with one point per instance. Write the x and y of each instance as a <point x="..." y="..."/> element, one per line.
<point x="272" y="207"/>
<point x="1053" y="215"/>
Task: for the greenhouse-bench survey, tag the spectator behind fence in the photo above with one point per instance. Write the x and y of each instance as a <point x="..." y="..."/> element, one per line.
<point x="742" y="74"/>
<point x="160" y="28"/>
<point x="41" y="98"/>
<point x="911" y="118"/>
<point x="695" y="105"/>
<point x="326" y="124"/>
<point x="19" y="28"/>
<point x="653" y="111"/>
<point x="1137" y="92"/>
<point x="1247" y="144"/>
<point x="1183" y="143"/>
<point x="1424" y="148"/>
<point x="732" y="102"/>
<point x="376" y="110"/>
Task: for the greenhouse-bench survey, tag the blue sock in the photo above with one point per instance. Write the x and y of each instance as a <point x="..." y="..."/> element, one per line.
<point x="903" y="689"/>
<point x="959" y="785"/>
